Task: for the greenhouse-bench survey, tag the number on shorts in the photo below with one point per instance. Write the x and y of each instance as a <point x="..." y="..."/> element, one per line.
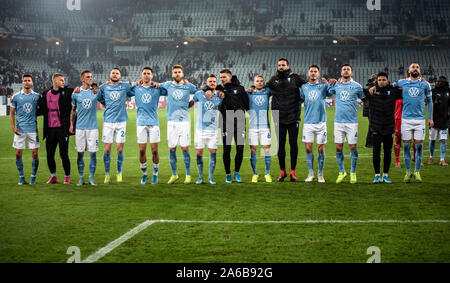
<point x="122" y="134"/>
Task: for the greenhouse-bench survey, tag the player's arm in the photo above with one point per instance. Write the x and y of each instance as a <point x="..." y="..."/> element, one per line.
<point x="101" y="95"/>
<point x="73" y="112"/>
<point x="12" y="120"/>
<point x="298" y="80"/>
<point x="397" y="92"/>
<point x="195" y="98"/>
<point x="244" y="98"/>
<point x="429" y="101"/>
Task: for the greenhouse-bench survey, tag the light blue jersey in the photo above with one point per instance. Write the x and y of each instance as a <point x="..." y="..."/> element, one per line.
<point x="86" y="103"/>
<point x="114" y="98"/>
<point x="414" y="94"/>
<point x="346" y="95"/>
<point x="25" y="105"/>
<point x="147" y="101"/>
<point x="178" y="100"/>
<point x="207" y="111"/>
<point x="259" y="109"/>
<point x="314" y="96"/>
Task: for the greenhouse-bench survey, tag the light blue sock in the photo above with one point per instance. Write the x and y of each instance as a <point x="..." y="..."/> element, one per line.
<point x="419" y="156"/>
<point x="432" y="147"/>
<point x="354" y="159"/>
<point x="253" y="160"/>
<point x="200" y="165"/>
<point x="34" y="167"/>
<point x="19" y="164"/>
<point x="340" y="161"/>
<point x="212" y="164"/>
<point x="267" y="161"/>
<point x="443" y="149"/>
<point x="407" y="156"/>
<point x="187" y="162"/>
<point x="120" y="159"/>
<point x="173" y="161"/>
<point x="80" y="163"/>
<point x="155" y="169"/>
<point x="92" y="164"/>
<point x="321" y="161"/>
<point x="107" y="161"/>
<point x="310" y="162"/>
<point x="143" y="167"/>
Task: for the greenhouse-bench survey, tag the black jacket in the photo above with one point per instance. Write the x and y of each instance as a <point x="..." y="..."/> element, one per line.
<point x="441" y="103"/>
<point x="366" y="111"/>
<point x="65" y="107"/>
<point x="285" y="88"/>
<point x="235" y="96"/>
<point x="382" y="110"/>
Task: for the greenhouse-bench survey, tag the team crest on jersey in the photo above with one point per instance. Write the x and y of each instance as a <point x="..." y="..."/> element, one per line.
<point x="86" y="103"/>
<point x="389" y="92"/>
<point x="147" y="98"/>
<point x="313" y="95"/>
<point x="114" y="95"/>
<point x="177" y="94"/>
<point x="289" y="79"/>
<point x="27" y="108"/>
<point x="413" y="92"/>
<point x="235" y="91"/>
<point x="259" y="100"/>
<point x="208" y="106"/>
<point x="345" y="95"/>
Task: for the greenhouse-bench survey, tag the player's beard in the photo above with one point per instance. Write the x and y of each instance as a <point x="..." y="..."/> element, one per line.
<point x="346" y="77"/>
<point x="114" y="81"/>
<point x="415" y="74"/>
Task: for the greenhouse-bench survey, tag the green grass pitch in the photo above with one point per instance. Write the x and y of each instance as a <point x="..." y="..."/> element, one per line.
<point x="38" y="223"/>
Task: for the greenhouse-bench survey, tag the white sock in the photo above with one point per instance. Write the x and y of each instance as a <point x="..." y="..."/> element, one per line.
<point x="385" y="175"/>
<point x="377" y="175"/>
<point x="155" y="169"/>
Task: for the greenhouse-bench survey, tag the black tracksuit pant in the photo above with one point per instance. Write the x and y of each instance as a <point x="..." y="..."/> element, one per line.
<point x="237" y="131"/>
<point x="283" y="130"/>
<point x="57" y="137"/>
<point x="387" y="141"/>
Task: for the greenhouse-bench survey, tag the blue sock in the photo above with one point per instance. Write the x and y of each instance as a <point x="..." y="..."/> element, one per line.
<point x="354" y="159"/>
<point x="19" y="164"/>
<point x="92" y="164"/>
<point x="432" y="147"/>
<point x="267" y="161"/>
<point x="200" y="165"/>
<point x="310" y="162"/>
<point x="155" y="169"/>
<point x="407" y="156"/>
<point x="253" y="159"/>
<point x="321" y="161"/>
<point x="34" y="167"/>
<point x="340" y="161"/>
<point x="419" y="156"/>
<point x="143" y="167"/>
<point x="212" y="164"/>
<point x="120" y="159"/>
<point x="443" y="148"/>
<point x="173" y="161"/>
<point x="80" y="163"/>
<point x="187" y="162"/>
<point x="107" y="161"/>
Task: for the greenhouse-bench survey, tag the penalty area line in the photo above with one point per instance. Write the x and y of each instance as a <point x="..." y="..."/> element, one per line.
<point x="128" y="235"/>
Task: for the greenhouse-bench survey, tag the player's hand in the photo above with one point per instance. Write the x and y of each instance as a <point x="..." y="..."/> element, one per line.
<point x="372" y="90"/>
<point x="191" y="103"/>
<point x="339" y="80"/>
<point x="16" y="131"/>
<point x="251" y="89"/>
<point x="323" y="80"/>
<point x="155" y="84"/>
<point x="430" y="123"/>
<point x="77" y="90"/>
<point x="221" y="94"/>
<point x="332" y="82"/>
<point x="208" y="94"/>
<point x="71" y="129"/>
<point x="140" y="82"/>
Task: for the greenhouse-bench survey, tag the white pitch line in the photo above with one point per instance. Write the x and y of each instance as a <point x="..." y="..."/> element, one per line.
<point x="114" y="244"/>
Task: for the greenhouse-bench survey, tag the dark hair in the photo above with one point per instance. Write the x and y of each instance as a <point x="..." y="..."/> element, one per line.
<point x="94" y="84"/>
<point x="284" y="59"/>
<point x="442" y="77"/>
<point x="147" y="68"/>
<point x="226" y="71"/>
<point x="314" y="66"/>
<point x="27" y="76"/>
<point x="212" y="76"/>
<point x="347" y="65"/>
<point x="383" y="74"/>
<point x="85" y="72"/>
<point x="116" y="69"/>
<point x="177" y="67"/>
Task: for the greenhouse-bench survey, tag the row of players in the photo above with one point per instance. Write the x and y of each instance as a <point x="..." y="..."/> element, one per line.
<point x="113" y="95"/>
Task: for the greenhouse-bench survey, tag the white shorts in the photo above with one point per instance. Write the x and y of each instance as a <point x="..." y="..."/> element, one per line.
<point x="262" y="135"/>
<point x="33" y="141"/>
<point x="437" y="134"/>
<point x="178" y="133"/>
<point x="413" y="129"/>
<point x="343" y="130"/>
<point x="208" y="138"/>
<point x="114" y="132"/>
<point x="86" y="140"/>
<point x="319" y="130"/>
<point x="148" y="133"/>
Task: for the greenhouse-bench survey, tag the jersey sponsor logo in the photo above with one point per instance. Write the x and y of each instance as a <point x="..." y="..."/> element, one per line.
<point x="345" y="95"/>
<point x="208" y="106"/>
<point x="27" y="108"/>
<point x="86" y="103"/>
<point x="114" y="95"/>
<point x="313" y="95"/>
<point x="177" y="94"/>
<point x="146" y="98"/>
<point x="413" y="92"/>
<point x="259" y="100"/>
